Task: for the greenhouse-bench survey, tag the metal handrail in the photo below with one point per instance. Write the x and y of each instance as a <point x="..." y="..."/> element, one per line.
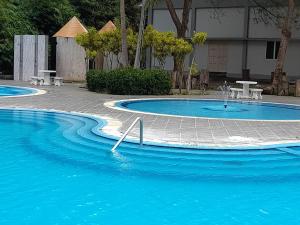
<point x="138" y="119"/>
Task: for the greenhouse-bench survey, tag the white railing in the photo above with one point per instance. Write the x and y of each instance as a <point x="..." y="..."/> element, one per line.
<point x="138" y="119"/>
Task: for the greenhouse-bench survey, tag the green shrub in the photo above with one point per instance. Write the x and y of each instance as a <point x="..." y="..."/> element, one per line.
<point x="130" y="82"/>
<point x="96" y="80"/>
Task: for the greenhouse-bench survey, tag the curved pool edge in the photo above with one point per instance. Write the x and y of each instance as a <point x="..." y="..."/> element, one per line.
<point x="102" y="129"/>
<point x="115" y="105"/>
<point x="35" y="91"/>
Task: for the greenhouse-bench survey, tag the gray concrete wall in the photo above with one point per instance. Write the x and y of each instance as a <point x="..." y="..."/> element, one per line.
<point x="30" y="56"/>
<point x="17" y="57"/>
<point x="70" y="60"/>
<point x="204" y="3"/>
<point x="245" y="36"/>
<point x="235" y="58"/>
<point x="234" y="51"/>
<point x="261" y="29"/>
<point x="223" y="23"/>
<point x="42" y="53"/>
<point x="170" y="63"/>
<point x="261" y="67"/>
<point x="162" y="21"/>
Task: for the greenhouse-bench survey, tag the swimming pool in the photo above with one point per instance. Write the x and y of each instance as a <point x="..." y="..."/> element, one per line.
<point x="56" y="169"/>
<point x="8" y="91"/>
<point x="213" y="109"/>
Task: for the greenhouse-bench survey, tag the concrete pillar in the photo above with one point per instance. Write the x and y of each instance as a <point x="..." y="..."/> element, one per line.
<point x="30" y="56"/>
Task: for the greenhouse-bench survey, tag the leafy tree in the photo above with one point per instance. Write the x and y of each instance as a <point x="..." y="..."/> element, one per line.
<point x="89" y="41"/>
<point x="131" y="43"/>
<point x="199" y="38"/>
<point x="48" y="16"/>
<point x="107" y="43"/>
<point x="12" y="21"/>
<point x="179" y="50"/>
<point x="161" y="42"/>
<point x="181" y="27"/>
<point x="96" y="13"/>
<point x="132" y="13"/>
<point x="165" y="44"/>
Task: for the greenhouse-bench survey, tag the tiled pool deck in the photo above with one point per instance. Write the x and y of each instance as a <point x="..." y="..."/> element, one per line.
<point x="187" y="131"/>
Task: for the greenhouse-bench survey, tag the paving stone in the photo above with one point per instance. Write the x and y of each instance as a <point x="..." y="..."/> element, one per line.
<point x="192" y="131"/>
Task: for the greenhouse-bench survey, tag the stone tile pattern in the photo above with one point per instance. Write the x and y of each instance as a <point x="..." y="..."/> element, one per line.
<point x="187" y="131"/>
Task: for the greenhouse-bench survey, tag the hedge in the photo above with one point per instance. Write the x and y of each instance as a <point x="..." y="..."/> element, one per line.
<point x="129" y="81"/>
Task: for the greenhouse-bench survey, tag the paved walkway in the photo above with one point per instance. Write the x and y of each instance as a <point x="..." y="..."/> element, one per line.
<point x="197" y="132"/>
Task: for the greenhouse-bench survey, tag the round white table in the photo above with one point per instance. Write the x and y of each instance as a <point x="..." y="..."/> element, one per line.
<point x="246" y="91"/>
<point x="46" y="75"/>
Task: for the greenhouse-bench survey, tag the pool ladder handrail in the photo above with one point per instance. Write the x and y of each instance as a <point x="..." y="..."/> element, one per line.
<point x="138" y="119"/>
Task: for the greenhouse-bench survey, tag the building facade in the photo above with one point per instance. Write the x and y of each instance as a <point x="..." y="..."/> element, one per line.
<point x="237" y="38"/>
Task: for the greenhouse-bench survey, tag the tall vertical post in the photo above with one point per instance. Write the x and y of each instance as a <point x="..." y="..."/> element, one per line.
<point x="245" y="71"/>
<point x="141" y="132"/>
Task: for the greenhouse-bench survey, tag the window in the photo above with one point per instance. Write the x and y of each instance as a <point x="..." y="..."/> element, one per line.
<point x="272" y="49"/>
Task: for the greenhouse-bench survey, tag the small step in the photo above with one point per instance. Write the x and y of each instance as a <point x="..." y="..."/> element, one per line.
<point x="290" y="151"/>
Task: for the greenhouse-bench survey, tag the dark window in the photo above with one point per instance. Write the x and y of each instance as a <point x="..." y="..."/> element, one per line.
<point x="272" y="49"/>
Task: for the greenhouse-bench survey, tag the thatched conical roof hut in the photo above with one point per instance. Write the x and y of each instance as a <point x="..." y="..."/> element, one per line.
<point x="71" y="29"/>
<point x="70" y="57"/>
<point x="102" y="62"/>
<point x="109" y="26"/>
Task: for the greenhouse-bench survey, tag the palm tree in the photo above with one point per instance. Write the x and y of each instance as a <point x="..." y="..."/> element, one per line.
<point x="137" y="61"/>
<point x="124" y="52"/>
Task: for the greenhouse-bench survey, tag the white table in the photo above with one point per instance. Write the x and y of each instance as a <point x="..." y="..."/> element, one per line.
<point x="246" y="91"/>
<point x="46" y="75"/>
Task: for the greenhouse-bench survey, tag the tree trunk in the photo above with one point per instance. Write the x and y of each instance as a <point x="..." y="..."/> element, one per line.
<point x="180" y="73"/>
<point x="174" y="78"/>
<point x="87" y="64"/>
<point x="279" y="82"/>
<point x="123" y="34"/>
<point x="137" y="61"/>
<point x="188" y="83"/>
<point x="181" y="27"/>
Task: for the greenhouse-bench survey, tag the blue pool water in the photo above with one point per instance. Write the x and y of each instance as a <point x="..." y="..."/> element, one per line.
<point x="215" y="109"/>
<point x="56" y="169"/>
<point x="15" y="91"/>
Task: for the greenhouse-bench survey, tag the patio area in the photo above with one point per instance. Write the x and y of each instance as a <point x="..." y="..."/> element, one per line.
<point x="164" y="129"/>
